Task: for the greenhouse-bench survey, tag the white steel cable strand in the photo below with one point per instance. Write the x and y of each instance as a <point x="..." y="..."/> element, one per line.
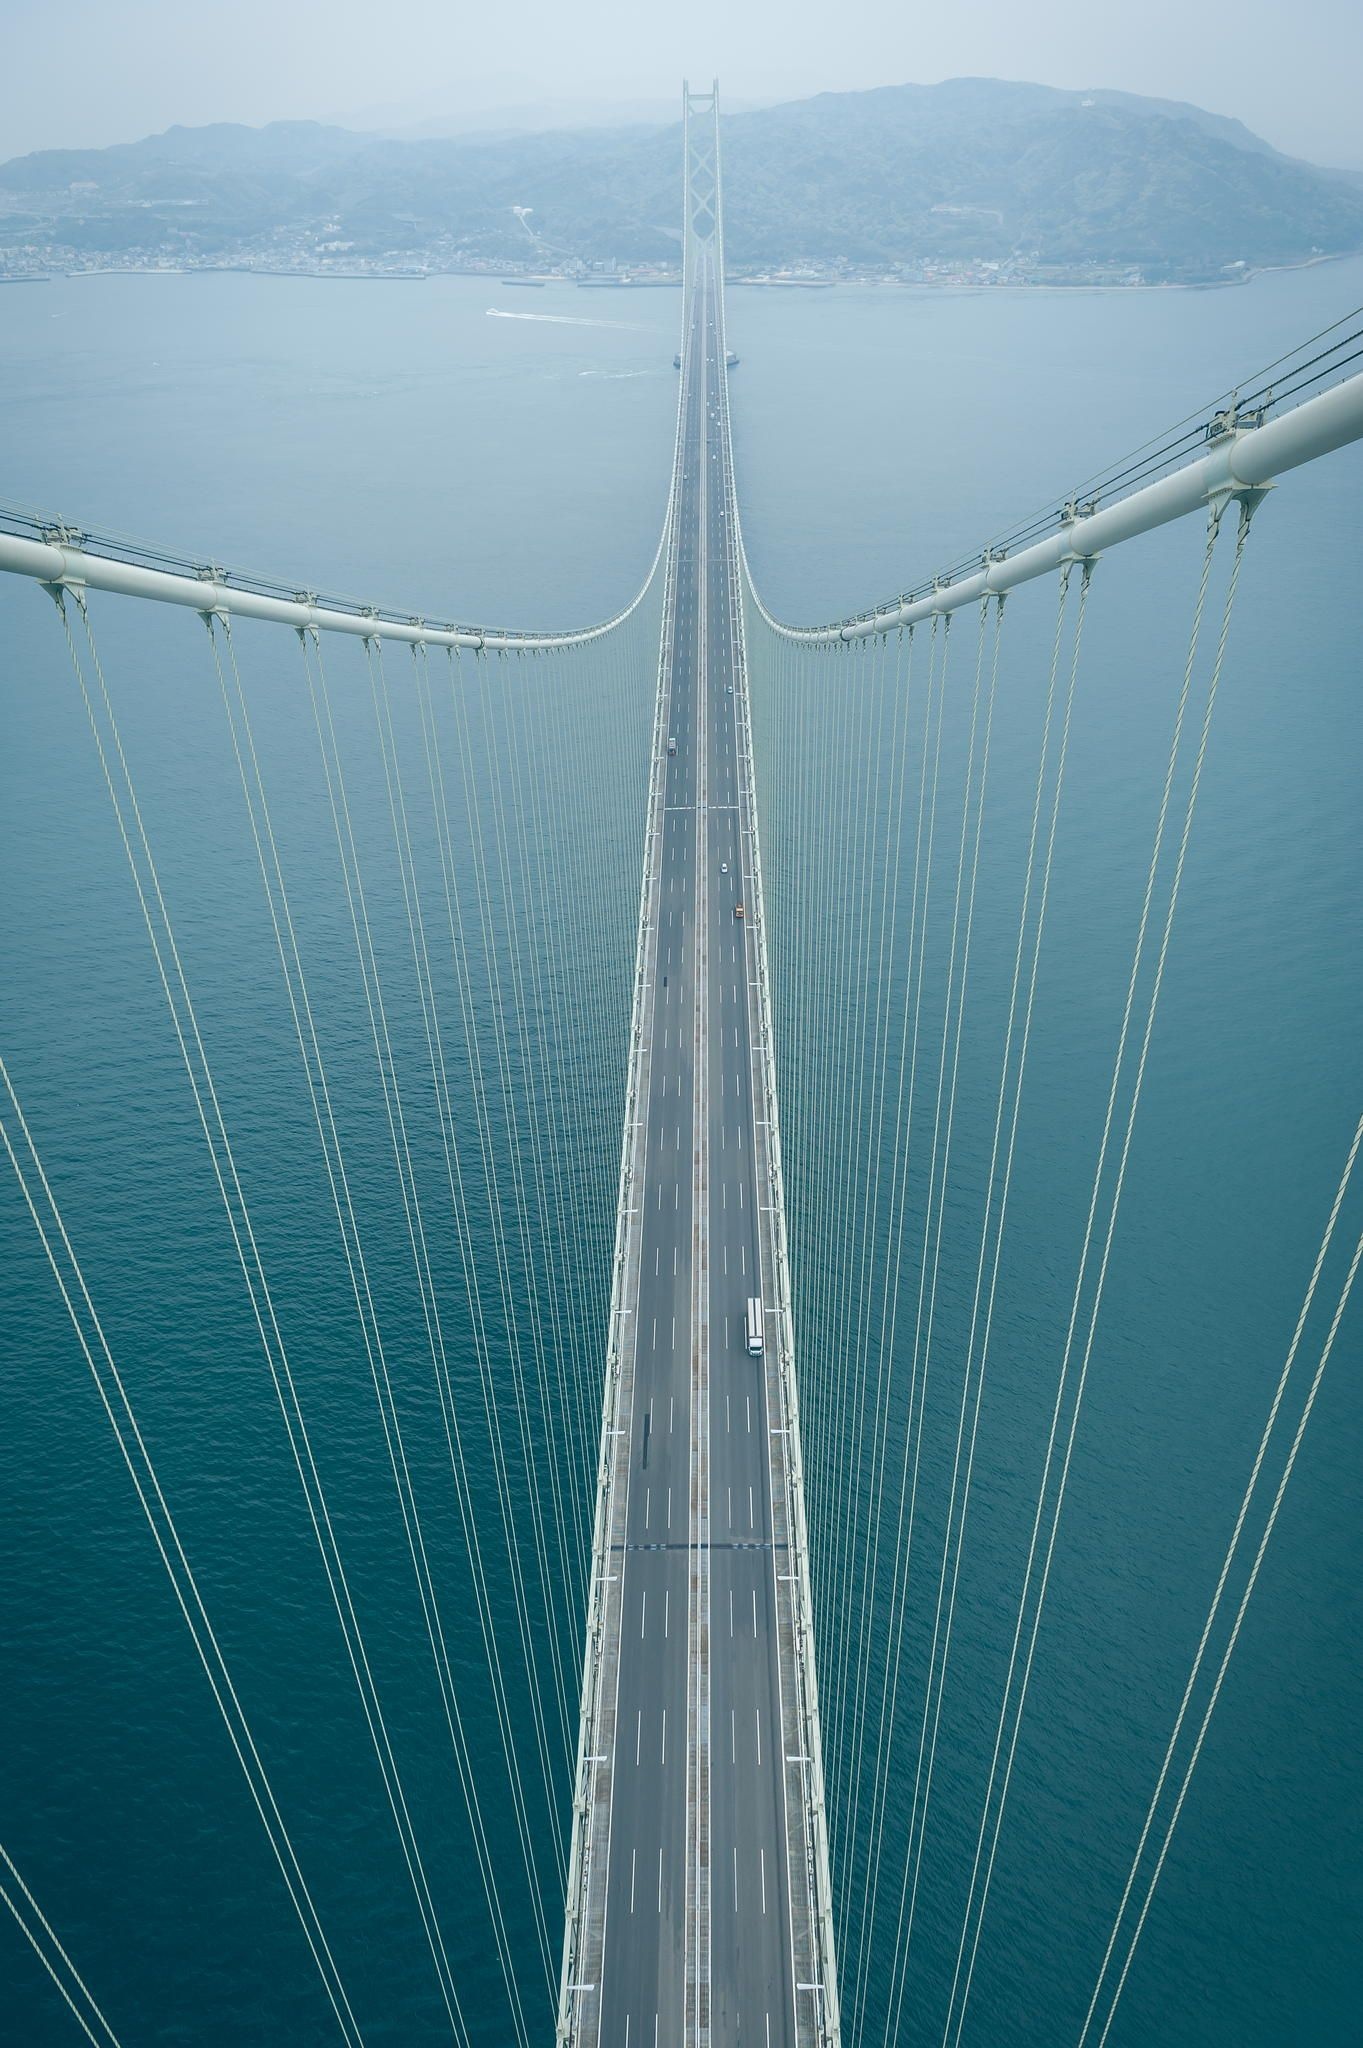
<point x="223" y="1161"/>
<point x="614" y="953"/>
<point x="824" y="1139"/>
<point x="483" y="1344"/>
<point x="900" y="1944"/>
<point x="863" y="788"/>
<point x="376" y="1009"/>
<point x="580" y="809"/>
<point x="832" y="700"/>
<point x="281" y="917"/>
<point x="272" y="876"/>
<point x="535" y="942"/>
<point x="925" y="833"/>
<point x="828" y="1133"/>
<point x="1252" y="1580"/>
<point x="580" y="938"/>
<point x="856" y="1265"/>
<point x="586" y="1122"/>
<point x="416" y="930"/>
<point x="813" y="811"/>
<point x="843" y="1135"/>
<point x="561" y="914"/>
<point x="576" y="1229"/>
<point x="847" y="708"/>
<point x="894" y="1645"/>
<point x="638" y="684"/>
<point x="847" y="716"/>
<point x="353" y="882"/>
<point x="561" y="944"/>
<point x="772" y="701"/>
<point x="473" y="1036"/>
<point x="106" y="2038"/>
<point x="582" y="814"/>
<point x="790" y="707"/>
<point x="888" y="971"/>
<point x="769" y="710"/>
<point x="569" y="1121"/>
<point x="166" y="1536"/>
<point x="866" y="1561"/>
<point x="846" y="1013"/>
<point x="821" y="949"/>
<point x="784" y="716"/>
<point x="990" y="1183"/>
<point x="818" y="821"/>
<point x="885" y="976"/>
<point x="810" y="825"/>
<point x="581" y="753"/>
<point x="769" y="726"/>
<point x="791" y="714"/>
<point x="421" y="954"/>
<point x="573" y="962"/>
<point x="1214" y="525"/>
<point x="817" y="953"/>
<point x="829" y="814"/>
<point x="934" y="1201"/>
<point x="1170" y="770"/>
<point x="563" y="1745"/>
<point x="377" y="1012"/>
<point x="532" y="1102"/>
<point x="864" y="794"/>
<point x="909" y="1010"/>
<point x="773" y="705"/>
<point x="639" y="687"/>
<point x="582" y="934"/>
<point x="635" y="687"/>
<point x="499" y="1210"/>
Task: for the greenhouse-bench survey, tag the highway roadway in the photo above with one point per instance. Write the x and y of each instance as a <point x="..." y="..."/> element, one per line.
<point x="697" y="1935"/>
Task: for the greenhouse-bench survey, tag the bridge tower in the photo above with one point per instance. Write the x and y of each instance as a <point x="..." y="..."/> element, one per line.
<point x="704" y="225"/>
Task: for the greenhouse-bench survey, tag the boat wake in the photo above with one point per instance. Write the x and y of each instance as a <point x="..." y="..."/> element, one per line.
<point x="565" y="320"/>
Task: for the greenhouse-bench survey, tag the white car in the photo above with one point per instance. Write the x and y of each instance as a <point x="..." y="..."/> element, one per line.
<point x="724" y="867"/>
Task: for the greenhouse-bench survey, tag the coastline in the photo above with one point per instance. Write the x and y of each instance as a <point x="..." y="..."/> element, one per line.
<point x="958" y="286"/>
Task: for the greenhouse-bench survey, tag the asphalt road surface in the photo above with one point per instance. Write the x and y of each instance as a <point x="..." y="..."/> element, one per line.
<point x="697" y="1881"/>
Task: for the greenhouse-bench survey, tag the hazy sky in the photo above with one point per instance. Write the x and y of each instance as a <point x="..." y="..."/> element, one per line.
<point x="96" y="71"/>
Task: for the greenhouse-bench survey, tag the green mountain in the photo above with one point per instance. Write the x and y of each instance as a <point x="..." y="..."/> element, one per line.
<point x="974" y="170"/>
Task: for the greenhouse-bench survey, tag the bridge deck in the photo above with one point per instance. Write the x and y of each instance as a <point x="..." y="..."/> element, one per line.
<point x="695" y="1913"/>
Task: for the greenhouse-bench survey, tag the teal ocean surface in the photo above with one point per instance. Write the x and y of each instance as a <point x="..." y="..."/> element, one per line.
<point x="443" y="447"/>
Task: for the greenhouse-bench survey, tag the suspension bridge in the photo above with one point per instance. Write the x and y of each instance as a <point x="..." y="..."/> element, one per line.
<point x="655" y="1568"/>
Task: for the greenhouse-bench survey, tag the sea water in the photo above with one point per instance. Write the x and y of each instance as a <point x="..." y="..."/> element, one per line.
<point x="446" y="448"/>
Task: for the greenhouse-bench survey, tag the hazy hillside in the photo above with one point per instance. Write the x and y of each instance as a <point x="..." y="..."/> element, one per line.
<point x="975" y="169"/>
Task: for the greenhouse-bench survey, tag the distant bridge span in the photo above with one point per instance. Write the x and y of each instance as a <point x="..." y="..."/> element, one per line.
<point x="699" y="1904"/>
